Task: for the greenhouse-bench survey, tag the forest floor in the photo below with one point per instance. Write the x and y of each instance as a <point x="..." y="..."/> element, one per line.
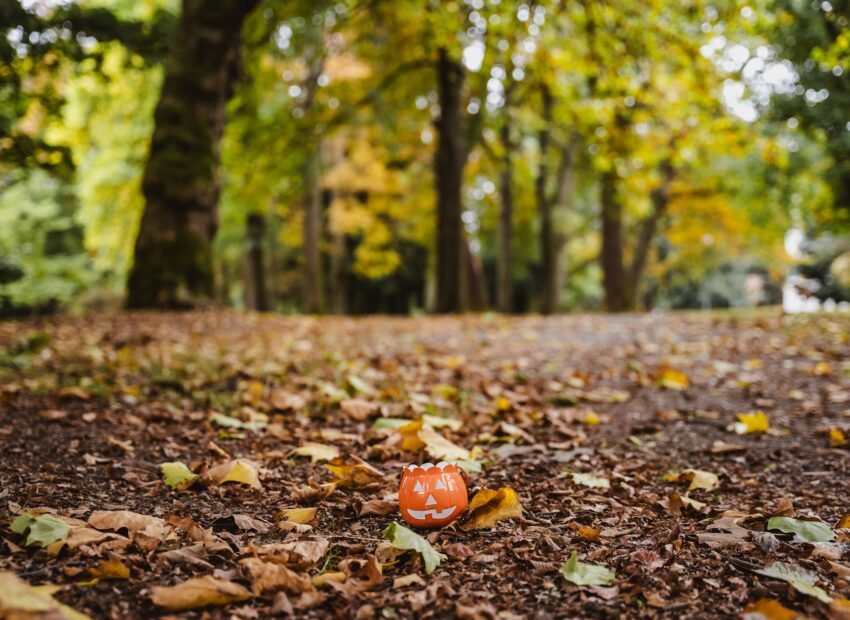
<point x="617" y="434"/>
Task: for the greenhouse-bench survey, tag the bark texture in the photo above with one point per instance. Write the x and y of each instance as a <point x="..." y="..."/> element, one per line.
<point x="449" y="163"/>
<point x="256" y="290"/>
<point x="505" y="279"/>
<point x="173" y="264"/>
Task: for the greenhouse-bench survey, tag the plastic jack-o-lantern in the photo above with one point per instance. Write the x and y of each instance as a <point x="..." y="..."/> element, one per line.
<point x="432" y="495"/>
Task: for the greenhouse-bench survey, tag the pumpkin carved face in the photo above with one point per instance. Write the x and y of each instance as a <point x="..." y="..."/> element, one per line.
<point x="432" y="495"/>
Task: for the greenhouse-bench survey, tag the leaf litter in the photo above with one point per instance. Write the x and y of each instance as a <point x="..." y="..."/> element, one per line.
<point x="175" y="478"/>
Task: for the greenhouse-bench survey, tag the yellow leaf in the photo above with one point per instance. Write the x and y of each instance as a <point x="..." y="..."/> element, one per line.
<point x="698" y="478"/>
<point x="410" y="441"/>
<point x="591" y="418"/>
<point x="300" y="515"/>
<point x="241" y="471"/>
<point x="441" y="448"/>
<point x="318" y="451"/>
<point x="585" y="531"/>
<point x="110" y="569"/>
<point x="503" y="404"/>
<point x="768" y="609"/>
<point x="822" y="368"/>
<point x="489" y="507"/>
<point x="356" y="474"/>
<point x="672" y="379"/>
<point x="839" y="609"/>
<point x="844" y="523"/>
<point x="18" y="599"/>
<point x="837" y="438"/>
<point x="198" y="592"/>
<point x="755" y="422"/>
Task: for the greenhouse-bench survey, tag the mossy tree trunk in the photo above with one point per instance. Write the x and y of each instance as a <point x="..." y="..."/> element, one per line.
<point x="173" y="255"/>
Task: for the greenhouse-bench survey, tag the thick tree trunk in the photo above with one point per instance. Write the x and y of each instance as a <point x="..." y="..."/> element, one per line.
<point x="505" y="281"/>
<point x="548" y="255"/>
<point x="613" y="271"/>
<point x="256" y="291"/>
<point x="449" y="162"/>
<point x="173" y="264"/>
<point x="314" y="290"/>
<point x="659" y="199"/>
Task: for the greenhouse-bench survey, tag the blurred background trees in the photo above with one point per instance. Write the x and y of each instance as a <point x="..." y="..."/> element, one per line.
<point x="373" y="156"/>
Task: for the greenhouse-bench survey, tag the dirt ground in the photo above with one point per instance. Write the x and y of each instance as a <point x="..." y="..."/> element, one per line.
<point x="91" y="407"/>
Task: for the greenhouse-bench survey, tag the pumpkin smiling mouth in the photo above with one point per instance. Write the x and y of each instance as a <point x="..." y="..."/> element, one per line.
<point x="433" y="512"/>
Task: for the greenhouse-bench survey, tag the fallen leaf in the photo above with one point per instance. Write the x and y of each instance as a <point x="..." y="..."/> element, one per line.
<point x="300" y="554"/>
<point x="811" y="531"/>
<point x="734" y="534"/>
<point x="391" y="423"/>
<point x="145" y="531"/>
<point x="698" y="479"/>
<point x="241" y="471"/>
<point x="408" y="580"/>
<point x="589" y="480"/>
<point x="43" y="529"/>
<point x="672" y="379"/>
<point x="300" y="515"/>
<point x="583" y="574"/>
<point x="844" y="523"/>
<point x="282" y="400"/>
<point x="198" y="592"/>
<point x="676" y="502"/>
<point x="755" y="422"/>
<point x="837" y="438"/>
<point x="318" y="451"/>
<point x="839" y="609"/>
<point x="800" y="579"/>
<point x="488" y="507"/>
<point x="358" y="408"/>
<point x="226" y="421"/>
<point x="441" y="448"/>
<point x="21" y="601"/>
<point x="109" y="569"/>
<point x="247" y="522"/>
<point x="177" y="475"/>
<point x="436" y="421"/>
<point x="403" y="538"/>
<point x="377" y="507"/>
<point x="768" y="609"/>
<point x="267" y="576"/>
<point x="585" y="531"/>
<point x="355" y="473"/>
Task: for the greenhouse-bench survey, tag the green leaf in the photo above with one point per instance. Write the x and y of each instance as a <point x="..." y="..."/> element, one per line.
<point x="403" y="538"/>
<point x="583" y="574"/>
<point x="230" y="422"/>
<point x="44" y="529"/>
<point x="390" y="423"/>
<point x="591" y="481"/>
<point x="801" y="579"/>
<point x="436" y="421"/>
<point x="176" y="474"/>
<point x="812" y="531"/>
<point x="470" y="467"/>
<point x="360" y="385"/>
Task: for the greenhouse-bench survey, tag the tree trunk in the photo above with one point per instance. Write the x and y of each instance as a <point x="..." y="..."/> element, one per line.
<point x="449" y="162"/>
<point x="548" y="255"/>
<point x="314" y="290"/>
<point x="505" y="281"/>
<point x="173" y="264"/>
<point x="659" y="198"/>
<point x="256" y="291"/>
<point x="613" y="271"/>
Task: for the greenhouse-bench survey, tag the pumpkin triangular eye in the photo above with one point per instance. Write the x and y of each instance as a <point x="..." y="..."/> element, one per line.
<point x="440" y="485"/>
<point x="419" y="488"/>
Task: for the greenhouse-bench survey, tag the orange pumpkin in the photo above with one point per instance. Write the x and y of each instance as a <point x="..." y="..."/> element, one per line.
<point x="432" y="495"/>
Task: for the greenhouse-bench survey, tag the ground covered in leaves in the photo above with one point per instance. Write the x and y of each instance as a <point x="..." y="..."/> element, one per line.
<point x="630" y="466"/>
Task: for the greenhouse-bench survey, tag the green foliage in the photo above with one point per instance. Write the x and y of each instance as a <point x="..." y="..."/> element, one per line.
<point x="43" y="529"/>
<point x="812" y="531"/>
<point x="583" y="574"/>
<point x="403" y="538"/>
<point x="40" y="244"/>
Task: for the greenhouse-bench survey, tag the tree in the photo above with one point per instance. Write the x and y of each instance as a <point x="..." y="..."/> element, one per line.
<point x="173" y="253"/>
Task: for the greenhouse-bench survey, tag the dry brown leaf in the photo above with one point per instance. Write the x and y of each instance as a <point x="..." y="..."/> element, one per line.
<point x="377" y="507"/>
<point x="270" y="576"/>
<point x="198" y="592"/>
<point x="488" y="507"/>
<point x="282" y="400"/>
<point x="245" y="522"/>
<point x="146" y="532"/>
<point x="358" y="408"/>
<point x="408" y="580"/>
<point x="297" y="554"/>
<point x="838" y="609"/>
